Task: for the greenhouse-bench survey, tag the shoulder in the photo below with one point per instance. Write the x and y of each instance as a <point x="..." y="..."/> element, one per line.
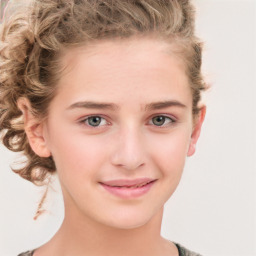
<point x="28" y="253"/>
<point x="185" y="252"/>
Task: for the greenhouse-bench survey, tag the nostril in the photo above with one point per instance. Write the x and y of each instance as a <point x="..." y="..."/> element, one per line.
<point x="128" y="152"/>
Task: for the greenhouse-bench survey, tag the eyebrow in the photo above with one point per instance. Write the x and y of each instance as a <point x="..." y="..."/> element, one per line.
<point x="111" y="106"/>
<point x="164" y="104"/>
<point x="93" y="105"/>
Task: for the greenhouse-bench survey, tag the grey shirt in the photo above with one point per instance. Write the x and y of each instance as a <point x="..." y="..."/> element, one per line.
<point x="182" y="252"/>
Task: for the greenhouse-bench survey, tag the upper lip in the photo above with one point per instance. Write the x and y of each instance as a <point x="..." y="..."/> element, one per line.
<point x="126" y="182"/>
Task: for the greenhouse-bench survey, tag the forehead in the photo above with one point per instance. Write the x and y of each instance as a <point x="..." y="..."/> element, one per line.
<point x="133" y="67"/>
<point x="124" y="53"/>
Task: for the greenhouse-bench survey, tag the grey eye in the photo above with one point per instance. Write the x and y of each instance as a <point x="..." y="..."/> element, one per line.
<point x="94" y="120"/>
<point x="161" y="120"/>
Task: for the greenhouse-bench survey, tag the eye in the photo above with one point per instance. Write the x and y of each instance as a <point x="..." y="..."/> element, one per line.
<point x="95" y="121"/>
<point x="161" y="120"/>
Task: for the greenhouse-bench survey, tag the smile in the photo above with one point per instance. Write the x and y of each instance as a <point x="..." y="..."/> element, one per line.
<point x="128" y="189"/>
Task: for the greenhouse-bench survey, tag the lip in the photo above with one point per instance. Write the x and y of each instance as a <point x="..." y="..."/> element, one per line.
<point x="128" y="189"/>
<point x="126" y="182"/>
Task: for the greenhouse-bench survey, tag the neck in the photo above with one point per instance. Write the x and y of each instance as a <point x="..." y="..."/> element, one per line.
<point x="80" y="234"/>
<point x="87" y="235"/>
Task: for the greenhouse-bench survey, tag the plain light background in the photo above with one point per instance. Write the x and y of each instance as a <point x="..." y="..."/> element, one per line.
<point x="213" y="209"/>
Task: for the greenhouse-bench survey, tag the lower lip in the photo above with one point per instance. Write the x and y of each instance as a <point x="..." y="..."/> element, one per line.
<point x="128" y="193"/>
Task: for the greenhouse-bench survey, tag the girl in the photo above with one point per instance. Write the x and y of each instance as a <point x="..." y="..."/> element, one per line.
<point x="106" y="93"/>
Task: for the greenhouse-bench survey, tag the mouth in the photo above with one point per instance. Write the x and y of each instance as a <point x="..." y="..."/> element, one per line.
<point x="128" y="189"/>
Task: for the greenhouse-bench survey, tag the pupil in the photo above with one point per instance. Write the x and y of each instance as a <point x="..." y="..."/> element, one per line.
<point x="94" y="121"/>
<point x="159" y="120"/>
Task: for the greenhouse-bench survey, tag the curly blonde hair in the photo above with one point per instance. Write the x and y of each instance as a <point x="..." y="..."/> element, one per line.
<point x="32" y="41"/>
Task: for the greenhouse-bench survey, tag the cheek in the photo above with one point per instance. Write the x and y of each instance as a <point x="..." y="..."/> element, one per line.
<point x="170" y="152"/>
<point x="76" y="153"/>
<point x="168" y="155"/>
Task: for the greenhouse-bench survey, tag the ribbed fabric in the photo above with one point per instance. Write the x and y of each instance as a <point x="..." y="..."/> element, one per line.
<point x="185" y="252"/>
<point x="28" y="253"/>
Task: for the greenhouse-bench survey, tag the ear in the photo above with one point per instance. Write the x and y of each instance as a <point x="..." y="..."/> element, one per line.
<point x="34" y="129"/>
<point x="196" y="131"/>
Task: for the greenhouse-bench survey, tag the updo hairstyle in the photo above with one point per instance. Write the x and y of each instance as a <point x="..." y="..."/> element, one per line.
<point x="32" y="41"/>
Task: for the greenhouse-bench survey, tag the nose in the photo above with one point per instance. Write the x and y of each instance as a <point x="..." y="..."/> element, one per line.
<point x="129" y="150"/>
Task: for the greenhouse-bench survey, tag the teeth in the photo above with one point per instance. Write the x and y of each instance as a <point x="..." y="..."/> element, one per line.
<point x="135" y="186"/>
<point x="139" y="185"/>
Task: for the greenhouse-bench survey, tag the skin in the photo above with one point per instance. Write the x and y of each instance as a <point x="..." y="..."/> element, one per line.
<point x="129" y="143"/>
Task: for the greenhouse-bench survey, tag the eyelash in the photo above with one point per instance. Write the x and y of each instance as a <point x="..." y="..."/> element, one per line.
<point x="171" y="120"/>
<point x="85" y="121"/>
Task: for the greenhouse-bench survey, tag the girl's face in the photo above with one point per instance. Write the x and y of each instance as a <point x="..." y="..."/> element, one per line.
<point x="121" y="118"/>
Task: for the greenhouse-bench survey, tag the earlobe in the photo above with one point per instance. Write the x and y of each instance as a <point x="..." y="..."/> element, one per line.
<point x="196" y="131"/>
<point x="33" y="127"/>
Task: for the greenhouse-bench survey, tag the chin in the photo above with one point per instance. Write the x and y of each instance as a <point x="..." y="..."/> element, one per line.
<point x="131" y="224"/>
<point x="128" y="220"/>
